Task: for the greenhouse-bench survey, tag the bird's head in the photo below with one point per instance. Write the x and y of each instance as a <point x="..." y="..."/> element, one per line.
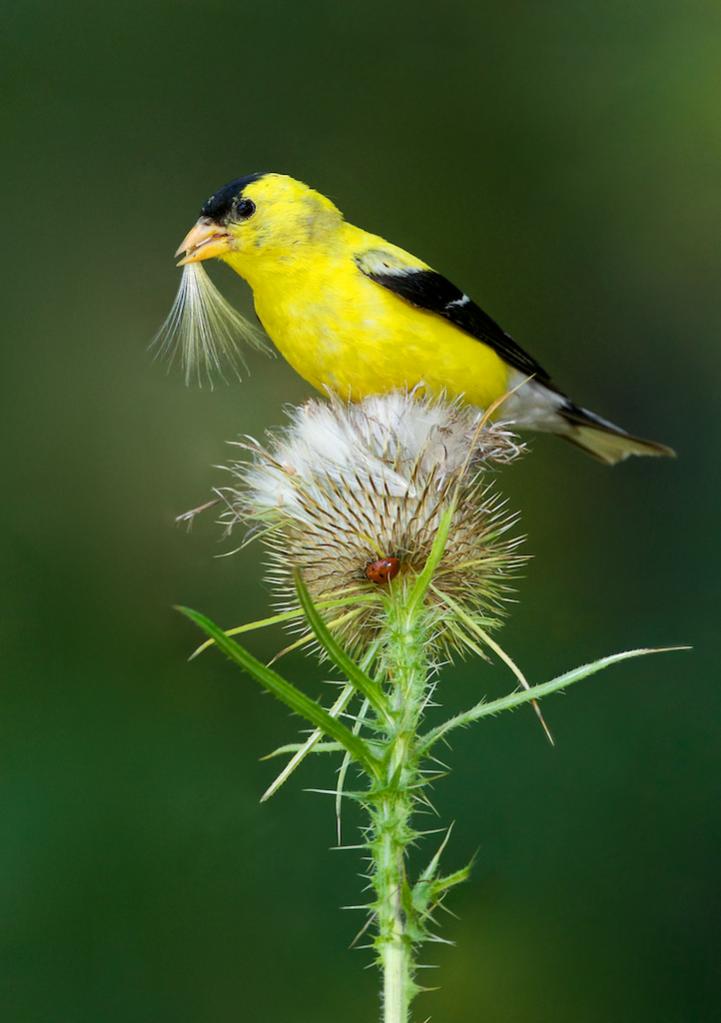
<point x="259" y="218"/>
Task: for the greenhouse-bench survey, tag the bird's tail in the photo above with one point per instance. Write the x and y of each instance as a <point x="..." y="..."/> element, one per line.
<point x="606" y="441"/>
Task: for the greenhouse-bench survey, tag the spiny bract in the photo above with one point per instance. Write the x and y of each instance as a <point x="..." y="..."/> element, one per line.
<point x="345" y="486"/>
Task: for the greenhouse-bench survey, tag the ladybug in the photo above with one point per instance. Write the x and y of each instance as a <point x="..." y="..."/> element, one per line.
<point x="383" y="570"/>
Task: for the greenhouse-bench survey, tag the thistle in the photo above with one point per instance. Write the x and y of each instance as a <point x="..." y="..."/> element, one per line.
<point x="351" y="496"/>
<point x="391" y="551"/>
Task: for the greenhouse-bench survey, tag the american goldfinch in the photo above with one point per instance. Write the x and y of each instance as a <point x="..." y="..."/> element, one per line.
<point x="355" y="315"/>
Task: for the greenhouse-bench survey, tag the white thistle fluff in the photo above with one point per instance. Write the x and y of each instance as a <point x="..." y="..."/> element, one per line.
<point x="205" y="331"/>
<point x="346" y="485"/>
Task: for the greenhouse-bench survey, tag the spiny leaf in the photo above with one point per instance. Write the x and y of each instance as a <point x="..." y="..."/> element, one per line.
<point x="352" y="671"/>
<point x="284" y="616"/>
<point x="448" y="881"/>
<point x="429" y="895"/>
<point x="297" y="747"/>
<point x="357" y="797"/>
<point x="302" y="750"/>
<point x="310" y="637"/>
<point x="287" y="693"/>
<point x="475" y="627"/>
<point x="311" y="743"/>
<point x="343" y="771"/>
<point x="432" y="868"/>
<point x="513" y="700"/>
<point x="424" y="578"/>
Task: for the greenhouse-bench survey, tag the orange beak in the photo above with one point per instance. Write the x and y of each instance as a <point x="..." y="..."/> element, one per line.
<point x="204" y="240"/>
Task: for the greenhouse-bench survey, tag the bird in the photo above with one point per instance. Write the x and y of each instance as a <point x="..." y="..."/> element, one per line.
<point x="355" y="315"/>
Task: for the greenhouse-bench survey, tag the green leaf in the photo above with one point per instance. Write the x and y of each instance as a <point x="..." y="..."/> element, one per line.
<point x="284" y="616"/>
<point x="310" y="637"/>
<point x="353" y="672"/>
<point x="312" y="743"/>
<point x="424" y="578"/>
<point x="298" y="747"/>
<point x="432" y="869"/>
<point x="343" y="771"/>
<point x="513" y="700"/>
<point x="309" y="746"/>
<point x="440" y="885"/>
<point x="287" y="693"/>
<point x="475" y="627"/>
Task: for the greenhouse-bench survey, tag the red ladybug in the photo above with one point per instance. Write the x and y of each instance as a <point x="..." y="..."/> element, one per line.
<point x="383" y="570"/>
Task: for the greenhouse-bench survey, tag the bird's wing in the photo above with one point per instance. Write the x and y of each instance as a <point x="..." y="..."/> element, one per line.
<point x="426" y="289"/>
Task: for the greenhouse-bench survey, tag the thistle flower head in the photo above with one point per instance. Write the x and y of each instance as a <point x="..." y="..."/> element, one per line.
<point x="351" y="496"/>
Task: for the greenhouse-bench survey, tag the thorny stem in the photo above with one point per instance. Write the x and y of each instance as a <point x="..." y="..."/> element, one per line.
<point x="406" y="669"/>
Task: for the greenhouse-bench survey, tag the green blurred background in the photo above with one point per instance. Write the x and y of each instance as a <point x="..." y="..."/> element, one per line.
<point x="561" y="161"/>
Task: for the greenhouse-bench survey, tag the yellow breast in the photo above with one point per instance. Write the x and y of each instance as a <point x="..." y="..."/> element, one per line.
<point x="342" y="331"/>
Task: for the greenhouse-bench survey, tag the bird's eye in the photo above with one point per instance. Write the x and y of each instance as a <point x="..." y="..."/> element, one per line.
<point x="244" y="208"/>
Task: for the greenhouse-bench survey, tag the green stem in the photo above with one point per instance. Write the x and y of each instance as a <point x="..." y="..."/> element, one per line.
<point x="392" y="803"/>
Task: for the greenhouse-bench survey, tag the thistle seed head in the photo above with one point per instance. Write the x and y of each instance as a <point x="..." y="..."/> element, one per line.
<point x="351" y="495"/>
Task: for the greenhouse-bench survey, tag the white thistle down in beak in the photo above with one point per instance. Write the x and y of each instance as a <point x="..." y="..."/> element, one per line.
<point x="352" y="494"/>
<point x="205" y="330"/>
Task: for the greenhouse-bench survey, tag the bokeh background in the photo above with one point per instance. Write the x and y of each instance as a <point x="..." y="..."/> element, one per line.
<point x="562" y="162"/>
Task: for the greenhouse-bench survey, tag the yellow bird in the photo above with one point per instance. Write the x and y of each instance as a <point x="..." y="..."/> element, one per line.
<point x="357" y="315"/>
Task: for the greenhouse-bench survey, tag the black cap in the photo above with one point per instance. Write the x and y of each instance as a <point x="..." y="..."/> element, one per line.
<point x="220" y="202"/>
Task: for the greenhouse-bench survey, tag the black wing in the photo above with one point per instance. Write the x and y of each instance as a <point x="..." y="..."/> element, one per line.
<point x="429" y="290"/>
